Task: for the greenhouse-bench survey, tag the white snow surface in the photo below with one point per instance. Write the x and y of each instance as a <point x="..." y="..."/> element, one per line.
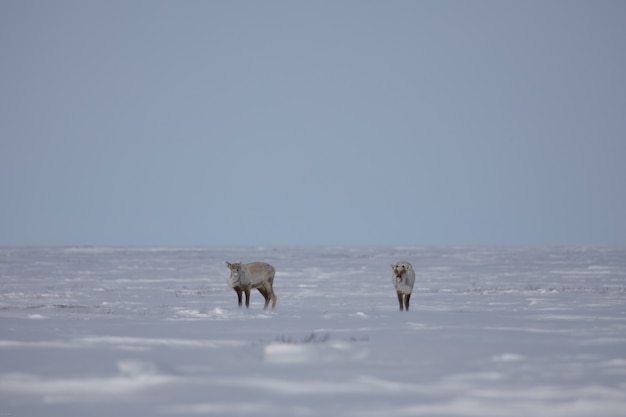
<point x="503" y="331"/>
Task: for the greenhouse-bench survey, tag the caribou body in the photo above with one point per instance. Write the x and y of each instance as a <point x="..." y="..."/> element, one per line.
<point x="259" y="275"/>
<point x="403" y="279"/>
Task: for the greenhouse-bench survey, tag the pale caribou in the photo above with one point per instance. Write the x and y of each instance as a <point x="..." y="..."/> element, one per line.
<point x="259" y="275"/>
<point x="403" y="279"/>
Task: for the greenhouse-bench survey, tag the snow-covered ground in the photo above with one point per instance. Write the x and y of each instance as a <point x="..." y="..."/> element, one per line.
<point x="156" y="331"/>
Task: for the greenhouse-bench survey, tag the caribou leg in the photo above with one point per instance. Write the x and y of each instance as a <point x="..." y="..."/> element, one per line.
<point x="247" y="291"/>
<point x="270" y="291"/>
<point x="400" y="300"/>
<point x="238" y="291"/>
<point x="265" y="295"/>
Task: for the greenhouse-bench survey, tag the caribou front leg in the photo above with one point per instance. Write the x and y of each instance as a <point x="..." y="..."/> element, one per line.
<point x="400" y="300"/>
<point x="247" y="291"/>
<point x="238" y="291"/>
<point x="407" y="297"/>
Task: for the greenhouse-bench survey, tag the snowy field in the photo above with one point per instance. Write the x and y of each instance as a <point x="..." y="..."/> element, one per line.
<point x="143" y="332"/>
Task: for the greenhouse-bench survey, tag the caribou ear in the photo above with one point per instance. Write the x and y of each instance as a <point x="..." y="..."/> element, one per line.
<point x="228" y="264"/>
<point x="408" y="267"/>
<point x="392" y="266"/>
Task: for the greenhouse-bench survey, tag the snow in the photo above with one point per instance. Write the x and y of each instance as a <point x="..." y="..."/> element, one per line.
<point x="504" y="331"/>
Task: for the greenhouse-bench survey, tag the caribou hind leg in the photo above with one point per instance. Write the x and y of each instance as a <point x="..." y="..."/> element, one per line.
<point x="270" y="290"/>
<point x="265" y="295"/>
<point x="273" y="299"/>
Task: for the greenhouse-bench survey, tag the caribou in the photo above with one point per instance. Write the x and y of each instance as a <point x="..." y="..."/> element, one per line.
<point x="259" y="275"/>
<point x="403" y="279"/>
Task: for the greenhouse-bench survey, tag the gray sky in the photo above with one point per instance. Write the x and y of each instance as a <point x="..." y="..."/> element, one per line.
<point x="312" y="122"/>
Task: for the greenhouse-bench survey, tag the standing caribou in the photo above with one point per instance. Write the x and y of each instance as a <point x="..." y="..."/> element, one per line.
<point x="259" y="275"/>
<point x="403" y="279"/>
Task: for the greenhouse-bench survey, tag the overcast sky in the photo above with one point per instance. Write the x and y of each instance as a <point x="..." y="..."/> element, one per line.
<point x="220" y="123"/>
